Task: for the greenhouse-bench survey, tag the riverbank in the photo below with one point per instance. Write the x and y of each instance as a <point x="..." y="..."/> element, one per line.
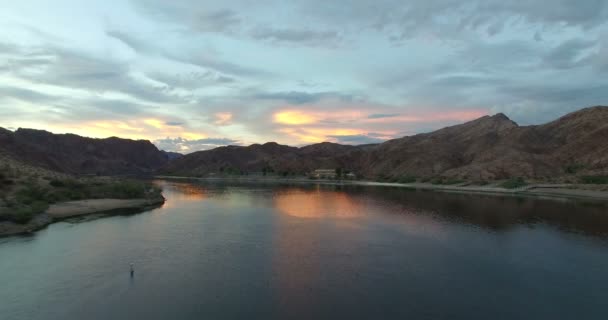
<point x="72" y="209"/>
<point x="554" y="191"/>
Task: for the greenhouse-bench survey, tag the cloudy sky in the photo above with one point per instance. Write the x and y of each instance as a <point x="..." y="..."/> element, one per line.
<point x="192" y="75"/>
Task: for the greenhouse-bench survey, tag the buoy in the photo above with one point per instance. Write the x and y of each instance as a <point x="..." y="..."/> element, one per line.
<point x="132" y="270"/>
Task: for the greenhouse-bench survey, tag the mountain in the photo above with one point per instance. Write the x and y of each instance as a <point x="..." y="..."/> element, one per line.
<point x="488" y="148"/>
<point x="260" y="158"/>
<point x="172" y="155"/>
<point x="69" y="153"/>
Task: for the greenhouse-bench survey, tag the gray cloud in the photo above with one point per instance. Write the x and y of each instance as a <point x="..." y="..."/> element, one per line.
<point x="224" y="20"/>
<point x="356" y="139"/>
<point x="76" y="70"/>
<point x="308" y="37"/>
<point x="568" y="54"/>
<point x="195" y="59"/>
<point x="382" y="115"/>
<point x="451" y="17"/>
<point x="191" y="80"/>
<point x="219" y="65"/>
<point x="27" y="95"/>
<point x="299" y="97"/>
<point x="137" y="45"/>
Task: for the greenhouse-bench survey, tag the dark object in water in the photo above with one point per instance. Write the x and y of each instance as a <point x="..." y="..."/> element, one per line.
<point x="132" y="270"/>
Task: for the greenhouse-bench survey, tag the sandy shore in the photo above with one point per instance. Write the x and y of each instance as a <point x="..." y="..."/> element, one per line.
<point x="557" y="191"/>
<point x="71" y="209"/>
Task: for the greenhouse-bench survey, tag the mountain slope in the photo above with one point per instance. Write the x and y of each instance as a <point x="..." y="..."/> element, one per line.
<point x="497" y="148"/>
<point x="488" y="148"/>
<point x="256" y="158"/>
<point x="74" y="154"/>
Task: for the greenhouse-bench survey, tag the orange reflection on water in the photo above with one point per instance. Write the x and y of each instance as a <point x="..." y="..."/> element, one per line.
<point x="181" y="192"/>
<point x="317" y="204"/>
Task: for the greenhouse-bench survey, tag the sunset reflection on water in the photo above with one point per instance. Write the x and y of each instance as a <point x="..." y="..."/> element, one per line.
<point x="317" y="204"/>
<point x="189" y="192"/>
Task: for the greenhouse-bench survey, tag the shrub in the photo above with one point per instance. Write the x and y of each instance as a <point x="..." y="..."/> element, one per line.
<point x="437" y="181"/>
<point x="594" y="179"/>
<point x="573" y="168"/>
<point x="57" y="183"/>
<point x="23" y="214"/>
<point x="381" y="178"/>
<point x="514" y="183"/>
<point x="452" y="181"/>
<point x="30" y="193"/>
<point x="407" y="179"/>
<point x="126" y="190"/>
<point x="481" y="183"/>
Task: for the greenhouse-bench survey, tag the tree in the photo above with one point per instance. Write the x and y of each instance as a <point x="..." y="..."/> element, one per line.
<point x="339" y="173"/>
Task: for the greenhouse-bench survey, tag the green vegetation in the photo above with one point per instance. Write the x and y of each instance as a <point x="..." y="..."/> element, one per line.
<point x="382" y="178"/>
<point x="594" y="179"/>
<point x="573" y="168"/>
<point x="480" y="183"/>
<point x="436" y="181"/>
<point x="407" y="179"/>
<point x="25" y="194"/>
<point x="339" y="173"/>
<point x="446" y="181"/>
<point x="514" y="183"/>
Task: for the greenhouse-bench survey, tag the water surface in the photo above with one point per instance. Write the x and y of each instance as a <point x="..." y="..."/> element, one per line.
<point x="217" y="251"/>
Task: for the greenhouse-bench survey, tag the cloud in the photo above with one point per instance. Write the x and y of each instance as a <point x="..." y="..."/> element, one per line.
<point x="308" y="37"/>
<point x="299" y="97"/>
<point x="298" y="71"/>
<point x="450" y="18"/>
<point x="569" y="54"/>
<point x="223" y="118"/>
<point x="187" y="146"/>
<point x="77" y="70"/>
<point x="224" y="20"/>
<point x="191" y="80"/>
<point x="27" y="95"/>
<point x="382" y="115"/>
<point x="203" y="60"/>
<point x="356" y="139"/>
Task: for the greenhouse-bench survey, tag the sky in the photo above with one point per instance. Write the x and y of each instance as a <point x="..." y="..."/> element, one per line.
<point x="193" y="75"/>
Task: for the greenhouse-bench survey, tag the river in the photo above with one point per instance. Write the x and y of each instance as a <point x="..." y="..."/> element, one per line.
<point x="255" y="251"/>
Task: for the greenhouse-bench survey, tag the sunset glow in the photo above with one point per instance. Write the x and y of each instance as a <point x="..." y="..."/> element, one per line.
<point x="191" y="76"/>
<point x="294" y="118"/>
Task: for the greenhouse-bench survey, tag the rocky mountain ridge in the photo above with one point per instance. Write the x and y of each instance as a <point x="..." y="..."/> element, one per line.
<point x="488" y="148"/>
<point x="73" y="154"/>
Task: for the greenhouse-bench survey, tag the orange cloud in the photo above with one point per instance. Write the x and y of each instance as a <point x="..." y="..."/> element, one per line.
<point x="313" y="126"/>
<point x="294" y="117"/>
<point x="316" y="135"/>
<point x="148" y="129"/>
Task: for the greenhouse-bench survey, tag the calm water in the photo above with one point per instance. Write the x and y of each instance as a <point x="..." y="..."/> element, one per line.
<point x="292" y="252"/>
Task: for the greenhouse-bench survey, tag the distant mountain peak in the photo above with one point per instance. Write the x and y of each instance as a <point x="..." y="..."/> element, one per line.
<point x="501" y="116"/>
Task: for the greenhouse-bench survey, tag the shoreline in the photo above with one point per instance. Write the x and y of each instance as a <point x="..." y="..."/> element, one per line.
<point x="551" y="191"/>
<point x="80" y="208"/>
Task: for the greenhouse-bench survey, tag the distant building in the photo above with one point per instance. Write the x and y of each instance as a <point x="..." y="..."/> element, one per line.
<point x="324" y="174"/>
<point x="350" y="176"/>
